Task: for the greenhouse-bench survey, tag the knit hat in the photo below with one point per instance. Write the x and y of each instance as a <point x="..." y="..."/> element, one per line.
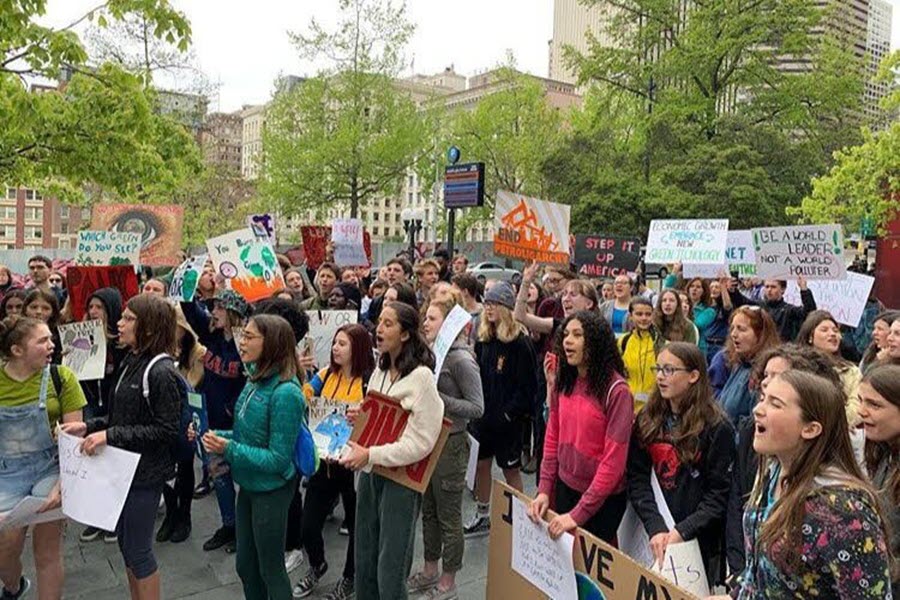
<point x="233" y="301"/>
<point x="501" y="293"/>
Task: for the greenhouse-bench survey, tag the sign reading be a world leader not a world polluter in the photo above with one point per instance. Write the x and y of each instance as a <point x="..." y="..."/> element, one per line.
<point x="696" y="241"/>
<point x="809" y="251"/>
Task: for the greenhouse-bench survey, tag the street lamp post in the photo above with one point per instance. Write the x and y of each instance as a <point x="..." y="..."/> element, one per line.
<point x="412" y="225"/>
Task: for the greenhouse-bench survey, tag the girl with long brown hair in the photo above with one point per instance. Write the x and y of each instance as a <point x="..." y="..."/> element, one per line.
<point x="684" y="438"/>
<point x="877" y="350"/>
<point x="670" y="320"/>
<point x="812" y="526"/>
<point x="879" y="410"/>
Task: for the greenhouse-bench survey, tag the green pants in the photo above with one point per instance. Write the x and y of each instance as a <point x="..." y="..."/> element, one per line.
<point x="386" y="514"/>
<point x="442" y="527"/>
<point x="261" y="526"/>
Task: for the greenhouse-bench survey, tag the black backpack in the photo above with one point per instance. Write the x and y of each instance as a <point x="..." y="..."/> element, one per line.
<point x="184" y="448"/>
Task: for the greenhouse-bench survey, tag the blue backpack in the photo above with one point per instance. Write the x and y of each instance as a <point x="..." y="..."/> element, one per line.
<point x="306" y="455"/>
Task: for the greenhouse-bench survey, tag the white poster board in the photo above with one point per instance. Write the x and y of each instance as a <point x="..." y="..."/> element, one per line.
<point x="531" y="229"/>
<point x="811" y="251"/>
<point x="453" y="325"/>
<point x="84" y="349"/>
<point x="683" y="566"/>
<point x="845" y="299"/>
<point x="248" y="263"/>
<point x="26" y="513"/>
<point x="186" y="278"/>
<point x="546" y="563"/>
<point x="739" y="256"/>
<point x="108" y="248"/>
<point x="347" y="237"/>
<point x="329" y="426"/>
<point x="472" y="465"/>
<point x="688" y="241"/>
<point x="323" y="324"/>
<point x="94" y="488"/>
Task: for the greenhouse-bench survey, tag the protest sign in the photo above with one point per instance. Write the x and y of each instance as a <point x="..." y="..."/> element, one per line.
<point x="103" y="248"/>
<point x="323" y="324"/>
<point x="329" y="426"/>
<point x="382" y="420"/>
<point x="248" y="263"/>
<point x="263" y="227"/>
<point x="606" y="255"/>
<point x="94" y="488"/>
<point x="347" y="237"/>
<point x="25" y="512"/>
<point x="695" y="241"/>
<point x="683" y="566"/>
<point x="84" y="348"/>
<point x="531" y="229"/>
<point x="453" y="325"/>
<point x="316" y="239"/>
<point x="739" y="256"/>
<point x="159" y="227"/>
<point x="84" y="281"/>
<point x="811" y="251"/>
<point x="200" y="421"/>
<point x="845" y="299"/>
<point x="186" y="278"/>
<point x="472" y="465"/>
<point x="546" y="563"/>
<point x="601" y="571"/>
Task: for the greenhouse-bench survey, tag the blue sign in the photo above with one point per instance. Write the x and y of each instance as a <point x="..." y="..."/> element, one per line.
<point x="464" y="185"/>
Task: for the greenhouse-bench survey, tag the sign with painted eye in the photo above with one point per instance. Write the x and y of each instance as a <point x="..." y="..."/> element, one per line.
<point x="158" y="226"/>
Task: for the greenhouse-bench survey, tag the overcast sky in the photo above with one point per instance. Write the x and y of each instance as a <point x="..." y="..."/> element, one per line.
<point x="244" y="45"/>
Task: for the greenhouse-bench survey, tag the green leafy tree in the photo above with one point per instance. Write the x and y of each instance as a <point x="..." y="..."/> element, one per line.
<point x="98" y="128"/>
<point x="348" y="135"/>
<point x="215" y="202"/>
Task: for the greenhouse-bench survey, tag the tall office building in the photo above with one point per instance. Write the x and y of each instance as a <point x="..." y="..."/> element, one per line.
<point x="878" y="46"/>
<point x="572" y="21"/>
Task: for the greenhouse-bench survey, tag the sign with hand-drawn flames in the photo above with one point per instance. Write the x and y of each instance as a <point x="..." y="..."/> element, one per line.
<point x="531" y="229"/>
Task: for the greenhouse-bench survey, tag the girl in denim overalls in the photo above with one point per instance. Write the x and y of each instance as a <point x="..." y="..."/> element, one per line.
<point x="32" y="400"/>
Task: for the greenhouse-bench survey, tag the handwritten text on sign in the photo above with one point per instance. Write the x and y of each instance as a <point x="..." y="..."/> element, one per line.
<point x="739" y="256"/>
<point x="381" y="421"/>
<point x="695" y="241"/>
<point x="102" y="248"/>
<point x="844" y="299"/>
<point x="544" y="562"/>
<point x="810" y="251"/>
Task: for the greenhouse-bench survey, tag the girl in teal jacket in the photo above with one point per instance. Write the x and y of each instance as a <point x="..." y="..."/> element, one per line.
<point x="267" y="419"/>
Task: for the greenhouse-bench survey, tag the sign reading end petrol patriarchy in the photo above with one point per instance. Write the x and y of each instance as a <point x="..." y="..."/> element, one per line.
<point x="531" y="229"/>
<point x="810" y="251"/>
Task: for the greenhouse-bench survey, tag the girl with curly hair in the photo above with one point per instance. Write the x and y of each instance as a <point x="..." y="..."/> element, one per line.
<point x="586" y="442"/>
<point x="683" y="438"/>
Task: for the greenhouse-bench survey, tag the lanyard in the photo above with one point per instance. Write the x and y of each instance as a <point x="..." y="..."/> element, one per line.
<point x="381" y="387"/>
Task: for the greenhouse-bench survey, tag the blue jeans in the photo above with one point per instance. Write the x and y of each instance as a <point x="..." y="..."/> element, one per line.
<point x="225" y="496"/>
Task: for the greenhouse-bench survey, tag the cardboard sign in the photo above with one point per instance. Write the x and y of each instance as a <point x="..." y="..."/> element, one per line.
<point x="531" y="229"/>
<point x="452" y="326"/>
<point x="84" y="349"/>
<point x="249" y="264"/>
<point x="546" y="563"/>
<point x="186" y="278"/>
<point x="844" y="299"/>
<point x="263" y="227"/>
<point x="382" y="420"/>
<point x="329" y="426"/>
<point x="606" y="255"/>
<point x="84" y="281"/>
<point x="316" y="239"/>
<point x="349" y="248"/>
<point x="601" y="571"/>
<point x="158" y="225"/>
<point x="739" y="256"/>
<point x="104" y="248"/>
<point x="694" y="241"/>
<point x="323" y="324"/>
<point x="813" y="251"/>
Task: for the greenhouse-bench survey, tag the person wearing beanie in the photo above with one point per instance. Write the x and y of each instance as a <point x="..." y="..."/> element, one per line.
<point x="508" y="367"/>
<point x="223" y="381"/>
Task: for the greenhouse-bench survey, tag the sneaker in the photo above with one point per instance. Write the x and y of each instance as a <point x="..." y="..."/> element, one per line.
<point x="89" y="534"/>
<point x="110" y="537"/>
<point x="343" y="590"/>
<point x="165" y="530"/>
<point x="292" y="559"/>
<point x="437" y="593"/>
<point x="230" y="547"/>
<point x="202" y="490"/>
<point x="479" y="525"/>
<point x="24" y="586"/>
<point x="420" y="582"/>
<point x="221" y="537"/>
<point x="343" y="529"/>
<point x="309" y="582"/>
<point x="530" y="466"/>
<point x="181" y="531"/>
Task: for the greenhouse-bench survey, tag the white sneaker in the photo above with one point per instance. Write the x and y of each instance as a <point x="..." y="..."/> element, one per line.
<point x="479" y="525"/>
<point x="293" y="559"/>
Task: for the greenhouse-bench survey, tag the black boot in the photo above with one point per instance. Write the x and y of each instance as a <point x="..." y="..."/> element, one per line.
<point x="168" y="525"/>
<point x="182" y="529"/>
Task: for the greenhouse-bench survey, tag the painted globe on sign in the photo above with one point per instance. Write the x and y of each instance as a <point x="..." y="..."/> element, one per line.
<point x="587" y="588"/>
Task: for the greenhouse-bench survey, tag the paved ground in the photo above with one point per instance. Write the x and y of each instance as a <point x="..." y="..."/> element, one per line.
<point x="95" y="570"/>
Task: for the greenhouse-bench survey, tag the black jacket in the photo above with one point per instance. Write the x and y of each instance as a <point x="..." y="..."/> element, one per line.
<point x="508" y="378"/>
<point x="746" y="463"/>
<point x="98" y="392"/>
<point x="788" y="317"/>
<point x="696" y="494"/>
<point x="146" y="426"/>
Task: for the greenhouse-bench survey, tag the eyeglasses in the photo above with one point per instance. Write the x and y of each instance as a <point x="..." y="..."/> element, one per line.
<point x="250" y="336"/>
<point x="668" y="370"/>
<point x="129" y="318"/>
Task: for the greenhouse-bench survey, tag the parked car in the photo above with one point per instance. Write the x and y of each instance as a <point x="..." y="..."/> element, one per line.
<point x="488" y="270"/>
<point x="653" y="270"/>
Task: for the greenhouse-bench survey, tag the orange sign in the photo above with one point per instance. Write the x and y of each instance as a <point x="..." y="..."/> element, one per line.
<point x="531" y="229"/>
<point x="382" y="420"/>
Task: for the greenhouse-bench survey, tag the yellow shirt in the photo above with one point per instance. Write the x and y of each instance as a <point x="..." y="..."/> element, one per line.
<point x="334" y="386"/>
<point x="639" y="355"/>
